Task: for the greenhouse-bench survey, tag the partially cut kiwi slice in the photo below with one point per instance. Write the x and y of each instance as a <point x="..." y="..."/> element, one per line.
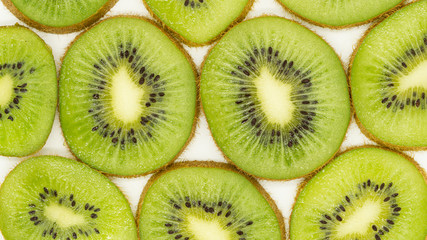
<point x="276" y="98"/>
<point x="207" y="201"/>
<point x="51" y="197"/>
<point x="339" y="14"/>
<point x="28" y="91"/>
<point x="389" y="80"/>
<point x="59" y="16"/>
<point x="367" y="193"/>
<point x="199" y="22"/>
<point x="127" y="97"/>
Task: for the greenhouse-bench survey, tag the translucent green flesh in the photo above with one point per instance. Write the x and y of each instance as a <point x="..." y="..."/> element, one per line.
<point x="59" y="13"/>
<point x="401" y="207"/>
<point x="92" y="130"/>
<point x="322" y="108"/>
<point x="224" y="197"/>
<point x="381" y="61"/>
<point x="339" y="13"/>
<point x="28" y="78"/>
<point x="25" y="207"/>
<point x="201" y="23"/>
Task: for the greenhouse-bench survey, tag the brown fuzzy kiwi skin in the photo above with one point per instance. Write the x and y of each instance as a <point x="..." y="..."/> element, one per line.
<point x="197" y="105"/>
<point x="176" y="35"/>
<point x="210" y="131"/>
<point x="217" y="165"/>
<point x="358" y="122"/>
<point x="57" y="85"/>
<point x="60" y="30"/>
<point x="379" y="17"/>
<point x="308" y="178"/>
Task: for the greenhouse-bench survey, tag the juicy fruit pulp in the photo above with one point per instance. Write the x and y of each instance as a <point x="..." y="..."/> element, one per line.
<point x="28" y="91"/>
<point x="275" y="97"/>
<point x="366" y="193"/>
<point x="388" y="79"/>
<point x="127" y="98"/>
<point x="59" y="14"/>
<point x="339" y="13"/>
<point x="208" y="201"/>
<point x="57" y="198"/>
<point x="199" y="21"/>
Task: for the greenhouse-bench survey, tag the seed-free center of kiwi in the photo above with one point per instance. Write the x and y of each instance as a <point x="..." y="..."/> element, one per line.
<point x="208" y="230"/>
<point x="63" y="216"/>
<point x="126" y="96"/>
<point x="275" y="98"/>
<point x="416" y="78"/>
<point x="6" y="90"/>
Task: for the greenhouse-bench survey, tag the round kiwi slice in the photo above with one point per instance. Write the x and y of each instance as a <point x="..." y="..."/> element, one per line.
<point x="52" y="197"/>
<point x="28" y="91"/>
<point x="276" y="98"/>
<point x="207" y="201"/>
<point x="63" y="16"/>
<point x="340" y="14"/>
<point x="127" y="97"/>
<point x="366" y="193"/>
<point x="388" y="80"/>
<point x="198" y="22"/>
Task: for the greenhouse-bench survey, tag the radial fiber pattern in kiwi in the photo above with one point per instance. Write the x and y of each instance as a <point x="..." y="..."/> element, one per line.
<point x="206" y="201"/>
<point x="128" y="99"/>
<point x="57" y="198"/>
<point x="366" y="193"/>
<point x="59" y="16"/>
<point x="28" y="91"/>
<point x="388" y="79"/>
<point x="198" y="22"/>
<point x="339" y="13"/>
<point x="275" y="97"/>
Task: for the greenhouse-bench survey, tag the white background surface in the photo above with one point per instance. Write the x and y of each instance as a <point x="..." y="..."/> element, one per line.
<point x="202" y="147"/>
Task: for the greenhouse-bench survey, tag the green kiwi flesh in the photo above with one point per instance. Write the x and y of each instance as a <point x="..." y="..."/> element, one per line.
<point x="59" y="16"/>
<point x="276" y="98"/>
<point x="339" y="13"/>
<point x="199" y="21"/>
<point x="127" y="97"/>
<point x="388" y="79"/>
<point x="28" y="91"/>
<point x="51" y="197"/>
<point x="206" y="200"/>
<point x="366" y="194"/>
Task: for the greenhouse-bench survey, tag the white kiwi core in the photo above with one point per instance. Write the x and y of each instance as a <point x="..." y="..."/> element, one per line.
<point x="6" y="90"/>
<point x="63" y="216"/>
<point x="207" y="230"/>
<point x="126" y="96"/>
<point x="275" y="97"/>
<point x="360" y="220"/>
<point x="416" y="78"/>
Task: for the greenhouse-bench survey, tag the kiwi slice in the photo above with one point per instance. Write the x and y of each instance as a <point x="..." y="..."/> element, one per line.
<point x="366" y="193"/>
<point x="28" y="91"/>
<point x="59" y="16"/>
<point x="52" y="197"/>
<point x="127" y="97"/>
<point x="276" y="98"/>
<point x="340" y="14"/>
<point x="388" y="80"/>
<point x="207" y="201"/>
<point x="198" y="22"/>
